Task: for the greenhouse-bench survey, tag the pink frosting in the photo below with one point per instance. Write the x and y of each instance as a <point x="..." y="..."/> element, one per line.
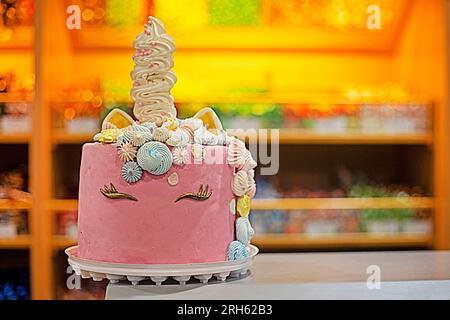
<point x="155" y="229"/>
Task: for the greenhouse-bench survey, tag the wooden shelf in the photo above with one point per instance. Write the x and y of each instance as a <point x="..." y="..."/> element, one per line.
<point x="290" y="136"/>
<point x="349" y="240"/>
<point x="62" y="242"/>
<point x="306" y="203"/>
<point x="6" y="204"/>
<point x="14" y="138"/>
<point x="311" y="241"/>
<point x="17" y="38"/>
<point x="63" y="137"/>
<point x="63" y="204"/>
<point x="337" y="97"/>
<point x="305" y="136"/>
<point x="15" y="98"/>
<point x="17" y="242"/>
<point x="343" y="203"/>
<point x="259" y="38"/>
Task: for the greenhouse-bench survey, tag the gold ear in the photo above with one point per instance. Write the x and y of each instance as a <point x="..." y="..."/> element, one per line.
<point x="209" y="118"/>
<point x="117" y="118"/>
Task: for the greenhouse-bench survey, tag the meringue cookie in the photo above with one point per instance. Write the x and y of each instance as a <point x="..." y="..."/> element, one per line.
<point x="161" y="134"/>
<point x="179" y="138"/>
<point x="223" y="139"/>
<point x="205" y="137"/>
<point x="236" y="155"/>
<point x="252" y="190"/>
<point x="180" y="155"/>
<point x="189" y="132"/>
<point x="239" y="185"/>
<point x="244" y="231"/>
<point x="194" y="123"/>
<point x="249" y="163"/>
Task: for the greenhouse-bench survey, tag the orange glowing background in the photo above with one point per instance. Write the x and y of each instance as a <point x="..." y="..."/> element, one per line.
<point x="282" y="63"/>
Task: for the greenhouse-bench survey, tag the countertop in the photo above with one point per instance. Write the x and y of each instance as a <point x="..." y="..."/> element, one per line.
<point x="342" y="275"/>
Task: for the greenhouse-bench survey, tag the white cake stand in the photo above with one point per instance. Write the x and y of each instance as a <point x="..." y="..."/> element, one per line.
<point x="158" y="273"/>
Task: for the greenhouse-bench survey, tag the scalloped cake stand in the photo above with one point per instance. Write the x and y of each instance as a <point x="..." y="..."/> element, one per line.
<point x="158" y="273"/>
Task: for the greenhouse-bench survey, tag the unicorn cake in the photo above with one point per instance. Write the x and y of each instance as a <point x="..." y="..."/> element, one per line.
<point x="156" y="189"/>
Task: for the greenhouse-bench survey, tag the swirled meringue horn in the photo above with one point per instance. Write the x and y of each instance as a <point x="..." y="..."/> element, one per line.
<point x="152" y="75"/>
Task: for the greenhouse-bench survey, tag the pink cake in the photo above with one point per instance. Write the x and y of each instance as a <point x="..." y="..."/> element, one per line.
<point x="161" y="190"/>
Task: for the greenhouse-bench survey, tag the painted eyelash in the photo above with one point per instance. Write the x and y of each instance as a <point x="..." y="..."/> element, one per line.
<point x="112" y="193"/>
<point x="201" y="195"/>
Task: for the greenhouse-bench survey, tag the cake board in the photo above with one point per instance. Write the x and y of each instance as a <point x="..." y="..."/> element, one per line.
<point x="158" y="274"/>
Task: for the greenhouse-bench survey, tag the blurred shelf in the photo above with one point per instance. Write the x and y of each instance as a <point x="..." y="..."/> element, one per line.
<point x="305" y="203"/>
<point x="208" y="98"/>
<point x="298" y="241"/>
<point x="14" y="138"/>
<point x="15" y="98"/>
<point x="288" y="136"/>
<point x="6" y="204"/>
<point x="343" y="203"/>
<point x="306" y="136"/>
<point x="343" y="240"/>
<point x="250" y="38"/>
<point x="17" y="242"/>
<point x="60" y="136"/>
<point x="62" y="242"/>
<point x="17" y="38"/>
<point x="291" y="97"/>
<point x="63" y="204"/>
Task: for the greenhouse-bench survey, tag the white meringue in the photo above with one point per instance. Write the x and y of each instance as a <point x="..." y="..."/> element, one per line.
<point x="236" y="155"/>
<point x="161" y="134"/>
<point x="179" y="138"/>
<point x="239" y="185"/>
<point x="180" y="155"/>
<point x="205" y="137"/>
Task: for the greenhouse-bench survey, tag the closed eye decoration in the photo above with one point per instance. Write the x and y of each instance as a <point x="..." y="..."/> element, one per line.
<point x="201" y="195"/>
<point x="112" y="193"/>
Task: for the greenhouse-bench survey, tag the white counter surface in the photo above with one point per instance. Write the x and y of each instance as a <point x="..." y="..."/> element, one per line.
<point x="403" y="275"/>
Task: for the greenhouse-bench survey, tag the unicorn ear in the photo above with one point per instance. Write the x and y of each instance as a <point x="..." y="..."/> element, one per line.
<point x="117" y="119"/>
<point x="210" y="119"/>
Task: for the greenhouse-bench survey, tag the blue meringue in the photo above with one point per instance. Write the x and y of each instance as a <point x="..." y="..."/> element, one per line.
<point x="131" y="172"/>
<point x="237" y="251"/>
<point x="244" y="231"/>
<point x="155" y="157"/>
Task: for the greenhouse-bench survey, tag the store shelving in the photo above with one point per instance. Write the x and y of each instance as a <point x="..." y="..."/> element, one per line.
<point x="341" y="240"/>
<point x="314" y="241"/>
<point x="14" y="138"/>
<point x="62" y="242"/>
<point x="290" y="136"/>
<point x="6" y="204"/>
<point x="7" y="97"/>
<point x="17" y="39"/>
<point x="62" y="137"/>
<point x="343" y="203"/>
<point x="63" y="204"/>
<point x="306" y="136"/>
<point x="306" y="203"/>
<point x="15" y="42"/>
<point x="17" y="242"/>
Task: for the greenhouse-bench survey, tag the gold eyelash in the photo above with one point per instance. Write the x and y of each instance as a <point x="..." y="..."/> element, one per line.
<point x="112" y="193"/>
<point x="201" y="195"/>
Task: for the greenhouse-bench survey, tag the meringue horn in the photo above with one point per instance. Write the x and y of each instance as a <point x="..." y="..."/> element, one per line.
<point x="152" y="76"/>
